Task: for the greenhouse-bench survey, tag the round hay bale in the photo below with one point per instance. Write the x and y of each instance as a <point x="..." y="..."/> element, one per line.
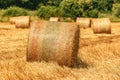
<point x="83" y="22"/>
<point x="22" y="22"/>
<point x="12" y="20"/>
<point x="101" y="25"/>
<point x="53" y="41"/>
<point x="68" y="19"/>
<point x="54" y="19"/>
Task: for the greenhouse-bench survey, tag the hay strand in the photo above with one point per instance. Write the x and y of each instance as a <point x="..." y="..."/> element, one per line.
<point x="53" y="41"/>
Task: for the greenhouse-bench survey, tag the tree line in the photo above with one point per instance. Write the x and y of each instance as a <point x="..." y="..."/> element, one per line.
<point x="28" y="4"/>
<point x="65" y="8"/>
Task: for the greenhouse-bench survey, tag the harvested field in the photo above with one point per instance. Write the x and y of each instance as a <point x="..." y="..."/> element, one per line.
<point x="99" y="57"/>
<point x="55" y="19"/>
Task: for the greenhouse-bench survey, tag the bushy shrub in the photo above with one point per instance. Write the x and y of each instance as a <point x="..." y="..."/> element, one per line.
<point x="14" y="11"/>
<point x="93" y="13"/>
<point x="45" y="12"/>
<point x="116" y="9"/>
<point x="71" y="8"/>
<point x="118" y="12"/>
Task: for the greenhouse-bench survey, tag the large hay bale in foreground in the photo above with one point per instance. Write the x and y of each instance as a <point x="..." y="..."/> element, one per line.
<point x="54" y="19"/>
<point x="22" y="22"/>
<point x="53" y="41"/>
<point x="101" y="25"/>
<point x="83" y="22"/>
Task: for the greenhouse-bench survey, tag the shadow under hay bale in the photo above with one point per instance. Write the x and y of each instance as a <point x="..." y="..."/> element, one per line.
<point x="101" y="25"/>
<point x="83" y="22"/>
<point x="55" y="19"/>
<point x="53" y="41"/>
<point x="80" y="64"/>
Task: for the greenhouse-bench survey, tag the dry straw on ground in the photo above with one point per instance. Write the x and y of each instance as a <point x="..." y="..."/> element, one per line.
<point x="53" y="41"/>
<point x="6" y="25"/>
<point x="101" y="25"/>
<point x="99" y="53"/>
<point x="54" y="19"/>
<point x="83" y="22"/>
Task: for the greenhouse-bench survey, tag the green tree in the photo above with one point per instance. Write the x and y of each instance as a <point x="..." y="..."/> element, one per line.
<point x="29" y="4"/>
<point x="54" y="2"/>
<point x="71" y="8"/>
<point x="116" y="1"/>
<point x="6" y="3"/>
<point x="14" y="11"/>
<point x="45" y="12"/>
<point x="102" y="5"/>
<point x="94" y="13"/>
<point x="116" y="9"/>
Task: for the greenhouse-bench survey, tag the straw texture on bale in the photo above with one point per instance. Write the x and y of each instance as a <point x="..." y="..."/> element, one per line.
<point x="101" y="25"/>
<point x="12" y="20"/>
<point x="83" y="22"/>
<point x="53" y="41"/>
<point x="54" y="19"/>
<point x="22" y="22"/>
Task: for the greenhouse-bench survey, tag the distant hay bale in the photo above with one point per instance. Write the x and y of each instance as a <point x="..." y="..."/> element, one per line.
<point x="22" y="22"/>
<point x="101" y="25"/>
<point x="83" y="22"/>
<point x="53" y="41"/>
<point x="54" y="19"/>
<point x="68" y="19"/>
<point x="12" y="20"/>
